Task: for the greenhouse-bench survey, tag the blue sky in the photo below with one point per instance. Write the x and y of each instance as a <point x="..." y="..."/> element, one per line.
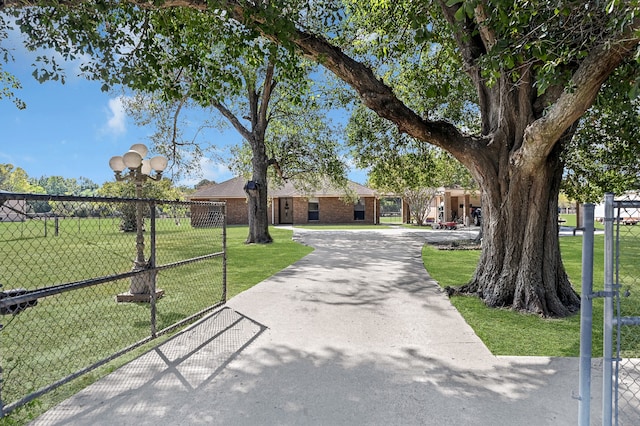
<point x="72" y="130"/>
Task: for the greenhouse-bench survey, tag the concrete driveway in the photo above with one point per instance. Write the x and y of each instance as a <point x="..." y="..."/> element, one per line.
<point x="355" y="333"/>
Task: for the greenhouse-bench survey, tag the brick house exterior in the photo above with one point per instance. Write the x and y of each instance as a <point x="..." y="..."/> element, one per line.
<point x="230" y="192"/>
<point x="450" y="204"/>
<point x="287" y="205"/>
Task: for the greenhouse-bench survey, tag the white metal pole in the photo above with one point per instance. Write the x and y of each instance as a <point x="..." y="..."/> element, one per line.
<point x="586" y="317"/>
<point x="607" y="350"/>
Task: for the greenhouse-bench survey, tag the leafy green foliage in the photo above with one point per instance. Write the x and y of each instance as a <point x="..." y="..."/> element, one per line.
<point x="177" y="130"/>
<point x="402" y="165"/>
<point x="15" y="179"/>
<point x="546" y="36"/>
<point x="161" y="190"/>
<point x="410" y="45"/>
<point x="499" y="84"/>
<point x="603" y="154"/>
<point x="58" y="185"/>
<point x="397" y="161"/>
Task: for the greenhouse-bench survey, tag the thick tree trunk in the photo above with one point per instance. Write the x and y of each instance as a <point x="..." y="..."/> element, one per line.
<point x="257" y="200"/>
<point x="520" y="266"/>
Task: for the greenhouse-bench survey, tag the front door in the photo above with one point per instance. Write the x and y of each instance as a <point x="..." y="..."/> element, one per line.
<point x="286" y="210"/>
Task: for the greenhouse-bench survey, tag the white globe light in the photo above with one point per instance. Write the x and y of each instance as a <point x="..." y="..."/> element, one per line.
<point x="146" y="167"/>
<point x="159" y="163"/>
<point x="132" y="159"/>
<point x="140" y="148"/>
<point x="117" y="164"/>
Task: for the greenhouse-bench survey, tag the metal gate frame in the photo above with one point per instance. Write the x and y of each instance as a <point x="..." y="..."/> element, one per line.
<point x="613" y="319"/>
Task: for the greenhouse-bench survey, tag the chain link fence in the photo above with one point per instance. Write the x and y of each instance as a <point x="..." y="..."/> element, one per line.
<point x="626" y="311"/>
<point x="83" y="284"/>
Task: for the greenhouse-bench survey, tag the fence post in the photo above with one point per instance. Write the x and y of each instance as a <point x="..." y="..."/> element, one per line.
<point x="586" y="318"/>
<point x="607" y="346"/>
<point x="152" y="266"/>
<point x="224" y="252"/>
<point x="2" y="413"/>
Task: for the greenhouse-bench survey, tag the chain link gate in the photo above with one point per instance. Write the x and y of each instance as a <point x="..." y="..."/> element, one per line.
<point x="70" y="300"/>
<point x="621" y="316"/>
<point x="621" y="312"/>
<point x="621" y="350"/>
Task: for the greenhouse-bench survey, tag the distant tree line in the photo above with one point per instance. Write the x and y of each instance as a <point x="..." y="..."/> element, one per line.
<point x="15" y="179"/>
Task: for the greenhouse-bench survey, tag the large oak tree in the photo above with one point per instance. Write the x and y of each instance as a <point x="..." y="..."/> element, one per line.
<point x="535" y="67"/>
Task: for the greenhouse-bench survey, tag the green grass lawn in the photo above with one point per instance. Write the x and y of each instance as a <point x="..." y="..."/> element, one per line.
<point x="391" y="219"/>
<point x="506" y="332"/>
<point x="570" y="220"/>
<point x="71" y="257"/>
<point x="247" y="265"/>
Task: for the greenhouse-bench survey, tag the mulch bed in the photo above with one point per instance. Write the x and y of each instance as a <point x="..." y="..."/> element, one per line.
<point x="457" y="245"/>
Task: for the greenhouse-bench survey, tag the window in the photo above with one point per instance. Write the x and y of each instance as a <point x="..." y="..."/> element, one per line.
<point x="358" y="210"/>
<point x="314" y="209"/>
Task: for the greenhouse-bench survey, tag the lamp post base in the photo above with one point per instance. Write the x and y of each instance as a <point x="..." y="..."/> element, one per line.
<point x="137" y="297"/>
<point x="139" y="288"/>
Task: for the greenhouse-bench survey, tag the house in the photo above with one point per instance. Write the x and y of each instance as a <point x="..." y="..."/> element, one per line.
<point x="457" y="203"/>
<point x="12" y="210"/>
<point x="450" y="204"/>
<point x="288" y="205"/>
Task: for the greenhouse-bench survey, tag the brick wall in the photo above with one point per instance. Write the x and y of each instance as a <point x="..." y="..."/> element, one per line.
<point x="333" y="210"/>
<point x="237" y="213"/>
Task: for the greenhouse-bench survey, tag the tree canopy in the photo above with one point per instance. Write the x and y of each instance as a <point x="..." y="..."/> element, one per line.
<point x="527" y="69"/>
<point x="401" y="165"/>
<point x="603" y="155"/>
<point x="210" y="60"/>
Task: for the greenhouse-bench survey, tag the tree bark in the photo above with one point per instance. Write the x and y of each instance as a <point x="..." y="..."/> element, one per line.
<point x="515" y="159"/>
<point x="520" y="266"/>
<point x="257" y="200"/>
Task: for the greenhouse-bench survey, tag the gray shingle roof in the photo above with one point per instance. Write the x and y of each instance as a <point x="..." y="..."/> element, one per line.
<point x="234" y="188"/>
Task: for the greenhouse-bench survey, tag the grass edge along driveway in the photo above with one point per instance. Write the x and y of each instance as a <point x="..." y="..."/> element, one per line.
<point x="506" y="332"/>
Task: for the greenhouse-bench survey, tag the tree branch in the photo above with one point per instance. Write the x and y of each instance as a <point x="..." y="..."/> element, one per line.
<point x="246" y="134"/>
<point x="543" y="134"/>
<point x="176" y="115"/>
<point x="268" y="86"/>
<point x="376" y="95"/>
<point x="486" y="34"/>
<point x="373" y="92"/>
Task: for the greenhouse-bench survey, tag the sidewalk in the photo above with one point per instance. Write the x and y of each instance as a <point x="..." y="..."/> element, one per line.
<point x="355" y="333"/>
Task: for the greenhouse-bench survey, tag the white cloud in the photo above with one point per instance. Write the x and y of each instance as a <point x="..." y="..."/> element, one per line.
<point x="117" y="122"/>
<point x="215" y="171"/>
<point x="210" y="170"/>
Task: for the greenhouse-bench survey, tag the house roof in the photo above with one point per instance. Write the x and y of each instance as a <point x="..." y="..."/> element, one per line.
<point x="234" y="188"/>
<point x="325" y="190"/>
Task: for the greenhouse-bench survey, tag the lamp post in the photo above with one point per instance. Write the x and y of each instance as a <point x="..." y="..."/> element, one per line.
<point x="140" y="170"/>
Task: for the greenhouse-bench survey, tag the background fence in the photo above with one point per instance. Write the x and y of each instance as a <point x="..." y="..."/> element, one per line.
<point x="66" y="270"/>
